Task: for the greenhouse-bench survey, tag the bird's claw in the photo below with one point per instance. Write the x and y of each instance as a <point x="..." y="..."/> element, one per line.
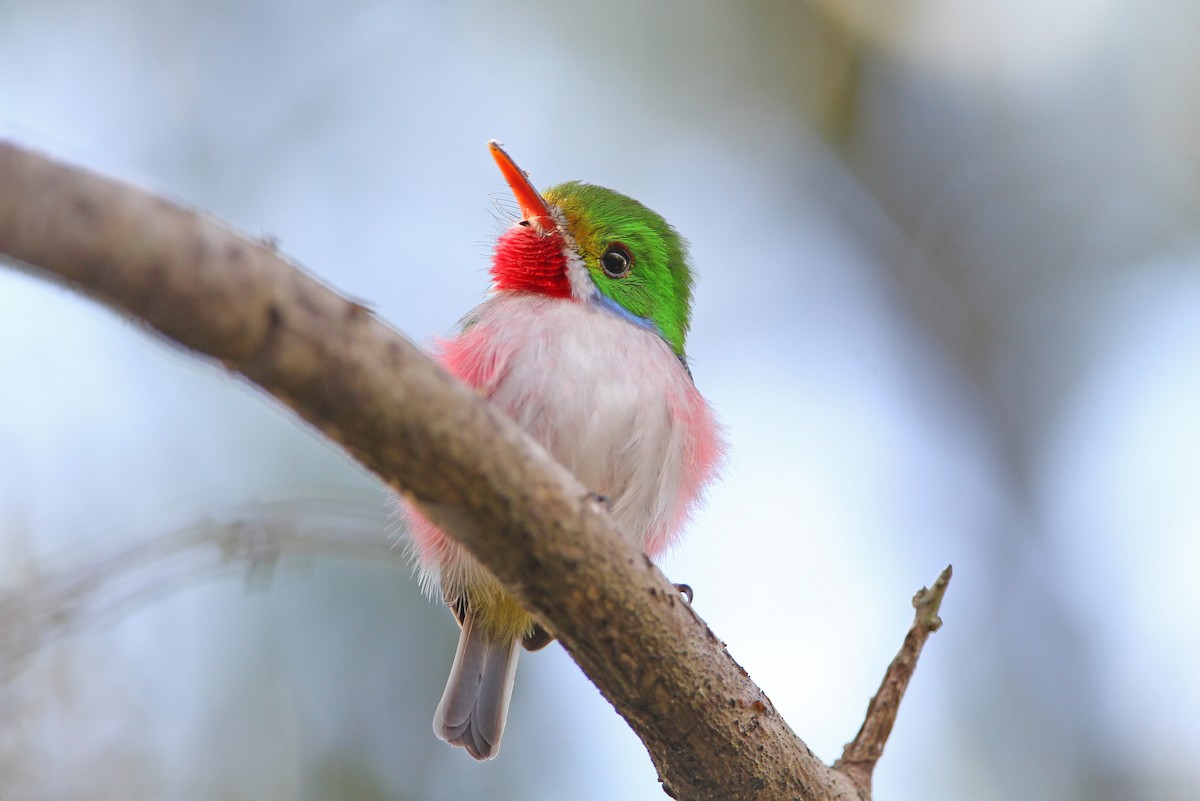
<point x="536" y="639"/>
<point x="686" y="591"/>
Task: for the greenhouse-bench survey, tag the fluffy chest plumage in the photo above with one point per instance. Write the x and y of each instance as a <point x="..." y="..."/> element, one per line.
<point x="609" y="399"/>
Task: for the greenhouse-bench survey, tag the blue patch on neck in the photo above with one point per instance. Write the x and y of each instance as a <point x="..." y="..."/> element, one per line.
<point x="608" y="304"/>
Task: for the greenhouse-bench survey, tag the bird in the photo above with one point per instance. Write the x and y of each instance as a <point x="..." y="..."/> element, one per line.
<point x="581" y="342"/>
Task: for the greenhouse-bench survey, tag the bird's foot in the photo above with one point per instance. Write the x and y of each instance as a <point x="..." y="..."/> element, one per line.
<point x="536" y="639"/>
<point x="686" y="591"/>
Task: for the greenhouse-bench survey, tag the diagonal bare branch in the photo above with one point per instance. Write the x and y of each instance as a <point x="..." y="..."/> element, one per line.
<point x="711" y="733"/>
<point x="860" y="755"/>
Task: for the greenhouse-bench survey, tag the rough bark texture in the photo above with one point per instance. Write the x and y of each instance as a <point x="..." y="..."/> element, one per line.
<point x="711" y="733"/>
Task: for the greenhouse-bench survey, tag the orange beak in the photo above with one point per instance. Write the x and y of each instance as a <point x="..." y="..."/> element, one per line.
<point x="533" y="205"/>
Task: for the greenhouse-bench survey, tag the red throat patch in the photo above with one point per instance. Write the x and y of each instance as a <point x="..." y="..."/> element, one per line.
<point x="529" y="261"/>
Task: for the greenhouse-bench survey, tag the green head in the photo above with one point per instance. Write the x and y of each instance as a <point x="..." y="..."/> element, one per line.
<point x="634" y="257"/>
<point x="637" y="262"/>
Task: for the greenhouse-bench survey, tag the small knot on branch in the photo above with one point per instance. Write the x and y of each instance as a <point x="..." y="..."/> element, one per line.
<point x="928" y="601"/>
<point x="860" y="755"/>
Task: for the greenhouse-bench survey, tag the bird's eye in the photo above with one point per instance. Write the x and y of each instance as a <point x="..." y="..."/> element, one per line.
<point x="616" y="261"/>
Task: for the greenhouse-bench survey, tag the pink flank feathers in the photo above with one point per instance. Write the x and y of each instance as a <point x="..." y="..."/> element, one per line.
<point x="608" y="399"/>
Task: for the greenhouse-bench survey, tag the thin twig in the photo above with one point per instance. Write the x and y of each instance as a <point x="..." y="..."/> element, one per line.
<point x="860" y="755"/>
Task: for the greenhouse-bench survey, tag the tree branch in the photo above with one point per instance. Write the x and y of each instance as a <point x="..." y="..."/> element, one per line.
<point x="711" y="733"/>
<point x="860" y="755"/>
<point x="106" y="583"/>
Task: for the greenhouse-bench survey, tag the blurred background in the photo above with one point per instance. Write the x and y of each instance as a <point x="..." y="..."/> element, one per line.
<point x="949" y="309"/>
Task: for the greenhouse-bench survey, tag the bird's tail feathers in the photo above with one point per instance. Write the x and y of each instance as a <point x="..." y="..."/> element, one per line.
<point x="474" y="706"/>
